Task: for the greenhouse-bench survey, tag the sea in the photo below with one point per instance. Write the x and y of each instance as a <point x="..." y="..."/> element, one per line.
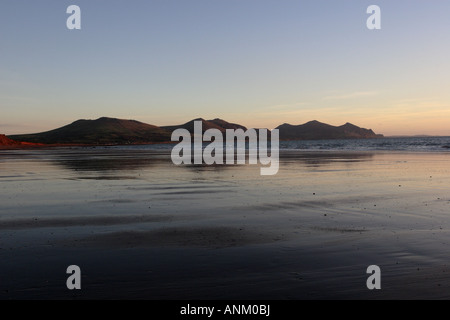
<point x="407" y="144"/>
<point x="413" y="144"/>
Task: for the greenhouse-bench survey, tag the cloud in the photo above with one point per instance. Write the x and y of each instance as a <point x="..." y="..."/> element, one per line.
<point x="419" y="104"/>
<point x="353" y="95"/>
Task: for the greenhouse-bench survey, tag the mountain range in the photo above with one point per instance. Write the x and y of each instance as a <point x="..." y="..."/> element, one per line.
<point x="105" y="131"/>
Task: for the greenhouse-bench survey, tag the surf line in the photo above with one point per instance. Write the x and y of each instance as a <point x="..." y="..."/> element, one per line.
<point x="235" y="147"/>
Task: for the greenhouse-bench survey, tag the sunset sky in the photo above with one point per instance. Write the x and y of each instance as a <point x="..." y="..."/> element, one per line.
<point x="259" y="63"/>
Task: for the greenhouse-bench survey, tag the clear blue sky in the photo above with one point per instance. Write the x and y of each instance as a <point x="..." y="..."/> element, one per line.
<point x="257" y="62"/>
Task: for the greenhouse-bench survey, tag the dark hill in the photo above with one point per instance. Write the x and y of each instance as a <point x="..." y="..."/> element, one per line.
<point x="315" y="130"/>
<point x="101" y="131"/>
<point x="219" y="124"/>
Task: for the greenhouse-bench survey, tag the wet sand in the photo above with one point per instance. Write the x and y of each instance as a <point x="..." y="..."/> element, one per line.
<point x="140" y="227"/>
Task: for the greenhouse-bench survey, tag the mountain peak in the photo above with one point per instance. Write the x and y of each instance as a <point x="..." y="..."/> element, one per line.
<point x="109" y="119"/>
<point x="103" y="130"/>
<point x="216" y="123"/>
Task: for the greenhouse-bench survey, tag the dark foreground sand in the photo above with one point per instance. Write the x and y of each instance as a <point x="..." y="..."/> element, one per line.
<point x="139" y="227"/>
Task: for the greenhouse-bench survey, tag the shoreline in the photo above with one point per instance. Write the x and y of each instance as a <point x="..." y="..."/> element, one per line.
<point x="52" y="146"/>
<point x="282" y="151"/>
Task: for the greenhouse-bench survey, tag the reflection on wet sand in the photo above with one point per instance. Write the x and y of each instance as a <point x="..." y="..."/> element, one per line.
<point x="209" y="237"/>
<point x="57" y="222"/>
<point x="114" y="160"/>
<point x="110" y="160"/>
<point x="144" y="228"/>
<point x="317" y="159"/>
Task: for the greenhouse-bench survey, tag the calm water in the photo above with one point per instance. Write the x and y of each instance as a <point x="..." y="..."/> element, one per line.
<point x="425" y="144"/>
<point x="436" y="144"/>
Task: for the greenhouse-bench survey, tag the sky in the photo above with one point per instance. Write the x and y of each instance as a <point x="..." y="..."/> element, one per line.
<point x="260" y="63"/>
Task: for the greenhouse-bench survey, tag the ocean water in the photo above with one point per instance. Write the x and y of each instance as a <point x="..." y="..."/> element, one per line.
<point x="416" y="144"/>
<point x="409" y="144"/>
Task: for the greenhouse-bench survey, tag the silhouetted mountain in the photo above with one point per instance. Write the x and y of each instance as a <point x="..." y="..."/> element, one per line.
<point x="219" y="124"/>
<point x="101" y="131"/>
<point x="315" y="130"/>
<point x="104" y="131"/>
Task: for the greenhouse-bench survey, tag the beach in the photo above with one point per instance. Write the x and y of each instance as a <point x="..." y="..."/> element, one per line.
<point x="140" y="227"/>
